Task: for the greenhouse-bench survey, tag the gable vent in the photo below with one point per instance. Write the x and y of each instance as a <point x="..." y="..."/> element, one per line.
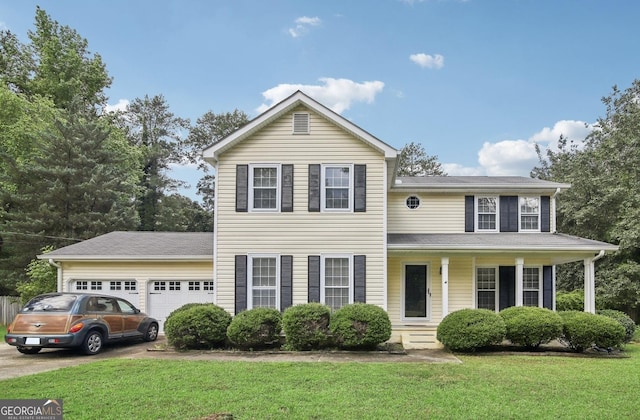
<point x="300" y="123"/>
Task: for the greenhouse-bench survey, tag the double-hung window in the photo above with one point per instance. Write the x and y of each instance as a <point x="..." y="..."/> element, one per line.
<point x="487" y="213"/>
<point x="337" y="187"/>
<point x="486" y="288"/>
<point x="530" y="214"/>
<point x="263" y="281"/>
<point x="264" y="187"/>
<point x="531" y="282"/>
<point x="336" y="277"/>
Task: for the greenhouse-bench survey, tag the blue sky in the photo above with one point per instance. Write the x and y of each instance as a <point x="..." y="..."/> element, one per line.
<point x="477" y="82"/>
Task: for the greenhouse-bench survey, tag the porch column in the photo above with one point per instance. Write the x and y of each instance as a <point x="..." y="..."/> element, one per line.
<point x="519" y="280"/>
<point x="589" y="286"/>
<point x="444" y="264"/>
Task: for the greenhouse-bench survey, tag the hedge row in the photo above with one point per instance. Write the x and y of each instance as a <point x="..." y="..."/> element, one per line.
<point x="471" y="329"/>
<point x="307" y="327"/>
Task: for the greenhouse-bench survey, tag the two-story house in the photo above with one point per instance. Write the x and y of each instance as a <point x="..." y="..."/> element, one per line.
<point x="309" y="209"/>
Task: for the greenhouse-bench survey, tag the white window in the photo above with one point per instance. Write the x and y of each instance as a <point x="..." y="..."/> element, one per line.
<point x="159" y="285"/>
<point x="531" y="282"/>
<point x="264" y="187"/>
<point x="337" y="187"/>
<point x="194" y="285"/>
<point x="96" y="285"/>
<point x="115" y="285"/>
<point x="82" y="285"/>
<point x="336" y="280"/>
<point x="130" y="285"/>
<point x="487" y="213"/>
<point x="530" y="214"/>
<point x="264" y="282"/>
<point x="487" y="288"/>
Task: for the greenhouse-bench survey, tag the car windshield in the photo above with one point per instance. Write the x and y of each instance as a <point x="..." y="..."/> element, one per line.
<point x="48" y="303"/>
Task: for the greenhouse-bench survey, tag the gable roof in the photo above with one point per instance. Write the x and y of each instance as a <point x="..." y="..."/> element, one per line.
<point x="139" y="246"/>
<point x="211" y="153"/>
<point x="476" y="183"/>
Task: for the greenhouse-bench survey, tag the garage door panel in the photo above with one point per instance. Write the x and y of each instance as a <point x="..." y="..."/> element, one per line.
<point x="165" y="296"/>
<point x="125" y="289"/>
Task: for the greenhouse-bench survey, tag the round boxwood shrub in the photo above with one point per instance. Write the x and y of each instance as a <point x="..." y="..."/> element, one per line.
<point x="624" y="320"/>
<point x="255" y="328"/>
<point x="197" y="327"/>
<point x="360" y="326"/>
<point x="531" y="326"/>
<point x="582" y="330"/>
<point x="306" y="326"/>
<point x="570" y="301"/>
<point x="187" y="306"/>
<point x="471" y="329"/>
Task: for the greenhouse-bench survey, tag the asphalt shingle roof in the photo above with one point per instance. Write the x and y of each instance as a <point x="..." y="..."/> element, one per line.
<point x="140" y="245"/>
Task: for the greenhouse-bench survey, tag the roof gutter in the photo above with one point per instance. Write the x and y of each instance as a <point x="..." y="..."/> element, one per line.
<point x="59" y="273"/>
<point x="553" y="204"/>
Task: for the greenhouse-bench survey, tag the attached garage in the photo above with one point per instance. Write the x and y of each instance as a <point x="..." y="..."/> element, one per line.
<point x="156" y="271"/>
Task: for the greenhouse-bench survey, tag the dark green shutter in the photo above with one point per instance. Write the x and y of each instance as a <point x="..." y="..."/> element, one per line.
<point x="547" y="287"/>
<point x="360" y="188"/>
<point x="241" y="283"/>
<point x="508" y="213"/>
<point x="469" y="213"/>
<point x="545" y="213"/>
<point x="314" y="278"/>
<point x="286" y="281"/>
<point x="314" y="188"/>
<point x="242" y="188"/>
<point x="359" y="278"/>
<point x="287" y="188"/>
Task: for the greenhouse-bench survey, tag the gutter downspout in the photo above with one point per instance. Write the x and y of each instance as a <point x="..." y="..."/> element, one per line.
<point x="553" y="210"/>
<point x="59" y="267"/>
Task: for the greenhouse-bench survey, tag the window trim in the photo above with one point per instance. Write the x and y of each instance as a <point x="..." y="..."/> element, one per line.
<point x="250" y="287"/>
<point x="427" y="317"/>
<point x="521" y="214"/>
<point x="540" y="288"/>
<point x="250" y="193"/>
<point x="323" y="258"/>
<point x="323" y="188"/>
<point x="476" y="213"/>
<point x="496" y="290"/>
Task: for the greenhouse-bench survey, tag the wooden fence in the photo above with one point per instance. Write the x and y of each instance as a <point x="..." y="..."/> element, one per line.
<point x="9" y="307"/>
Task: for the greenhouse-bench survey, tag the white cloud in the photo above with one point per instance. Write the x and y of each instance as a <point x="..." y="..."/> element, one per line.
<point x="519" y="157"/>
<point x="337" y="94"/>
<point x="303" y="24"/>
<point x="120" y="106"/>
<point x="3" y="26"/>
<point x="428" y="61"/>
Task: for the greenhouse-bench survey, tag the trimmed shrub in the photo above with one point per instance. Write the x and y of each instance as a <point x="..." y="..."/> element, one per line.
<point x="582" y="330"/>
<point x="360" y="326"/>
<point x="570" y="301"/>
<point x="471" y="329"/>
<point x="255" y="328"/>
<point x="306" y="326"/>
<point x="531" y="326"/>
<point x="197" y="327"/>
<point x="187" y="306"/>
<point x="624" y="320"/>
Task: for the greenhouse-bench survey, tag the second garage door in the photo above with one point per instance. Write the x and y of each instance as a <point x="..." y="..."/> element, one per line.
<point x="167" y="295"/>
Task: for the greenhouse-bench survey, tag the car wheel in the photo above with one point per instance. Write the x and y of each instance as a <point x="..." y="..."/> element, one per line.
<point x="152" y="332"/>
<point x="92" y="343"/>
<point x="29" y="350"/>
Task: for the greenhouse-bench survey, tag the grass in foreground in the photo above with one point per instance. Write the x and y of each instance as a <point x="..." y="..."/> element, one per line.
<point x="496" y="386"/>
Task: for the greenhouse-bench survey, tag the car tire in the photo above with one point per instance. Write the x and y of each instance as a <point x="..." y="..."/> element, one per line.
<point x="92" y="343"/>
<point x="29" y="350"/>
<point x="152" y="332"/>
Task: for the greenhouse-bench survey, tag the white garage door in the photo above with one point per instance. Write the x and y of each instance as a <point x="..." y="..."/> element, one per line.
<point x="165" y="296"/>
<point x="126" y="289"/>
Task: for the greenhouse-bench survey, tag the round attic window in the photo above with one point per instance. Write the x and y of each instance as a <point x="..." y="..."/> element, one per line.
<point x="413" y="202"/>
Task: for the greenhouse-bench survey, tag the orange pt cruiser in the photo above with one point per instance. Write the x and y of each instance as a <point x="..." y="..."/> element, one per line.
<point x="84" y="321"/>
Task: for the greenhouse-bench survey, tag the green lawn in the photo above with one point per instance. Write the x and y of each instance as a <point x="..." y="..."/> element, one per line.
<point x="495" y="386"/>
<point x="3" y="331"/>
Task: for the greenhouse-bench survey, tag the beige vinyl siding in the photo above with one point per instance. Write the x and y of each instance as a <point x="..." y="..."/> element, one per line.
<point x="143" y="272"/>
<point x="438" y="213"/>
<point x="300" y="233"/>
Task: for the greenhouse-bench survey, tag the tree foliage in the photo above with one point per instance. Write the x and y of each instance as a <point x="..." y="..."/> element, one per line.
<point x="42" y="278"/>
<point x="604" y="200"/>
<point x="414" y="161"/>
